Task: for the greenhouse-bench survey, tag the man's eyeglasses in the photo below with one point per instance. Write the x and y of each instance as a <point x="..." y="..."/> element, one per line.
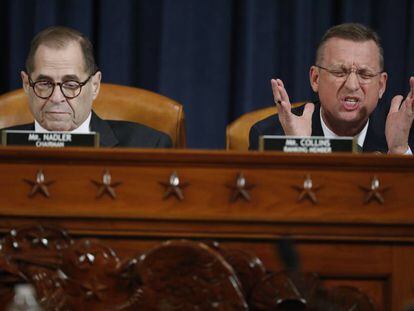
<point x="364" y="76"/>
<point x="70" y="88"/>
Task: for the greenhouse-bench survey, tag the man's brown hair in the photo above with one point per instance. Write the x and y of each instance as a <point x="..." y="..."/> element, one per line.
<point x="353" y="32"/>
<point x="59" y="37"/>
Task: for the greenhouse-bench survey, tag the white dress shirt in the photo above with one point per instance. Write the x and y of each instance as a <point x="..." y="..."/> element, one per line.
<point x="360" y="137"/>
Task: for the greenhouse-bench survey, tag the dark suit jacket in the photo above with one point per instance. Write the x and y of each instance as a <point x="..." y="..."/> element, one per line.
<point x="120" y="134"/>
<point x="374" y="141"/>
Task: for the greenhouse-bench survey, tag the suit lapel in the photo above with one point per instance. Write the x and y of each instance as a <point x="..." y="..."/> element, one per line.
<point x="107" y="137"/>
<point x="316" y="121"/>
<point x="26" y="127"/>
<point x="375" y="139"/>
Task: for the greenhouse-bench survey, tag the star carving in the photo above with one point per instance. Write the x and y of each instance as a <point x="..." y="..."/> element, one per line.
<point x="173" y="187"/>
<point x="374" y="192"/>
<point x="85" y="257"/>
<point x="39" y="184"/>
<point x="106" y="185"/>
<point x="240" y="188"/>
<point x="94" y="288"/>
<point x="307" y="190"/>
<point x="39" y="238"/>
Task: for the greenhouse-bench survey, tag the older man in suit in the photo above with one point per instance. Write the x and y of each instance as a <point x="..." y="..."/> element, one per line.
<point x="61" y="82"/>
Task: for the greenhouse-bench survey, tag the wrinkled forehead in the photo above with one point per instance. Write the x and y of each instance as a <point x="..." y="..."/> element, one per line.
<point x="57" y="61"/>
<point x="338" y="51"/>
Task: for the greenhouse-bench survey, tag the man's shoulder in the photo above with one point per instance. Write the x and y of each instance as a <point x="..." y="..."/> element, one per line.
<point x="271" y="124"/>
<point x="132" y="134"/>
<point x="268" y="126"/>
<point x="118" y="125"/>
<point x="21" y="127"/>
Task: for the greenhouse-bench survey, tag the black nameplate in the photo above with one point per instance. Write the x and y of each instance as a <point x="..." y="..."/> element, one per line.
<point x="314" y="144"/>
<point x="49" y="139"/>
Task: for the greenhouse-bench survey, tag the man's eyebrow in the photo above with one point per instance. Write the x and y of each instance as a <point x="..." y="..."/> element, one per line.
<point x="344" y="66"/>
<point x="64" y="78"/>
<point x="44" y="77"/>
<point x="366" y="67"/>
<point x="70" y="77"/>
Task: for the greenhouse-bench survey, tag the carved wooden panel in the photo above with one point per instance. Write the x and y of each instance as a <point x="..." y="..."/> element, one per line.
<point x="174" y="275"/>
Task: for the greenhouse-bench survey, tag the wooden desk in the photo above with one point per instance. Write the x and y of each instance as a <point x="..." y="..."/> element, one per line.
<point x="342" y="238"/>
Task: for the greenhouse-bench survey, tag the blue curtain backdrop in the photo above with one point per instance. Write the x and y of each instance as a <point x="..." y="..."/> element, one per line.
<point x="214" y="56"/>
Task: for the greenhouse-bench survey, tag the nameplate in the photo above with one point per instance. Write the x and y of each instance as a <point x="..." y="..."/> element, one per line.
<point x="314" y="144"/>
<point x="49" y="139"/>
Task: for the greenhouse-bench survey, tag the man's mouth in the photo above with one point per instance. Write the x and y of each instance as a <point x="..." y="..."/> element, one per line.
<point x="57" y="113"/>
<point x="351" y="103"/>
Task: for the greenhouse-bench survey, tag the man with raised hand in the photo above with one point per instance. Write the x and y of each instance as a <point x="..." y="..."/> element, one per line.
<point x="349" y="78"/>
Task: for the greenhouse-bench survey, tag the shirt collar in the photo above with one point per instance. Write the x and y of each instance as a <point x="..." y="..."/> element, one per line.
<point x="83" y="128"/>
<point x="360" y="137"/>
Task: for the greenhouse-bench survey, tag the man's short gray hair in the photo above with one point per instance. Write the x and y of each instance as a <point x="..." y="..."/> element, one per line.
<point x="60" y="37"/>
<point x="353" y="32"/>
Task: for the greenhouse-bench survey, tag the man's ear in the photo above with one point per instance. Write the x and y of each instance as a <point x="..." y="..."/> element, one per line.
<point x="382" y="84"/>
<point x="96" y="84"/>
<point x="314" y="78"/>
<point x="25" y="82"/>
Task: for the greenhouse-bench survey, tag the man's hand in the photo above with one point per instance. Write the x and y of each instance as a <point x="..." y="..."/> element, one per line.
<point x="292" y="124"/>
<point x="399" y="120"/>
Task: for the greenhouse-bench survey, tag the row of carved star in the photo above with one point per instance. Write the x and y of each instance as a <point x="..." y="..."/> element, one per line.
<point x="240" y="188"/>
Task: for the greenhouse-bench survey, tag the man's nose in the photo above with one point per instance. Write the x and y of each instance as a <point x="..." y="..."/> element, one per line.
<point x="57" y="95"/>
<point x="352" y="81"/>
